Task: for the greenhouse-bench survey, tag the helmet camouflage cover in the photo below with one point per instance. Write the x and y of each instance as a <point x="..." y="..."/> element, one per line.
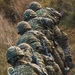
<point x="25" y="46"/>
<point x="34" y="6"/>
<point x="13" y="51"/>
<point x="22" y="26"/>
<point x="28" y="14"/>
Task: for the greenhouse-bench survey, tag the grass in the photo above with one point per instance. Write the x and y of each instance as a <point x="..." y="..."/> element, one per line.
<point x="8" y="35"/>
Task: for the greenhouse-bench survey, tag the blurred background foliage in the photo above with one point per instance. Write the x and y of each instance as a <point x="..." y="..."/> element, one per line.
<point x="16" y="8"/>
<point x="11" y="13"/>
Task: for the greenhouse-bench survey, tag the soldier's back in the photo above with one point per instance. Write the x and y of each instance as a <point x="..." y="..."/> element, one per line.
<point x="42" y="12"/>
<point x="26" y="37"/>
<point x="23" y="70"/>
<point x="35" y="23"/>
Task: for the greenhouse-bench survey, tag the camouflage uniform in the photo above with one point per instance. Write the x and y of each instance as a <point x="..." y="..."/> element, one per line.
<point x="45" y="12"/>
<point x="33" y="38"/>
<point x="29" y="53"/>
<point x="51" y="67"/>
<point x="15" y="56"/>
<point x="45" y="25"/>
<point x="58" y="34"/>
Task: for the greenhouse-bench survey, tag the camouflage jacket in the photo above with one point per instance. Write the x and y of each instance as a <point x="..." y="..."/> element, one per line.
<point x="41" y="23"/>
<point x="48" y="13"/>
<point x="33" y="38"/>
<point x="27" y="69"/>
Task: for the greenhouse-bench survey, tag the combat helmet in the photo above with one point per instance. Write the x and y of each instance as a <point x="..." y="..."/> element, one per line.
<point x="22" y="27"/>
<point x="12" y="52"/>
<point x="29" y="14"/>
<point x="34" y="6"/>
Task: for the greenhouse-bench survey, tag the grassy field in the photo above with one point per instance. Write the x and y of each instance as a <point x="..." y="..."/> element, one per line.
<point x="8" y="35"/>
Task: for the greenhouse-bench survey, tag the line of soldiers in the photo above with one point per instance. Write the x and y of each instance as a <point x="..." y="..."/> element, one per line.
<point x="37" y="51"/>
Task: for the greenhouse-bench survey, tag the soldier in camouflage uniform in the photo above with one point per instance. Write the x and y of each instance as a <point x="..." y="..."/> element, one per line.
<point x="34" y="39"/>
<point x="15" y="56"/>
<point x="45" y="25"/>
<point x="45" y="12"/>
<point x="60" y="36"/>
<point x="40" y="59"/>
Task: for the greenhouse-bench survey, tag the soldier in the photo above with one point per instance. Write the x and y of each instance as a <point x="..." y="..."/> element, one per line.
<point x="41" y="60"/>
<point x="39" y="23"/>
<point x="45" y="12"/>
<point x="15" y="57"/>
<point x="34" y="39"/>
<point x="45" y="25"/>
<point x="60" y="36"/>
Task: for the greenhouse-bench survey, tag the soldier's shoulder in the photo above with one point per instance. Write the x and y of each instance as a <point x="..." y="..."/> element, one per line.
<point x="38" y="33"/>
<point x="41" y="10"/>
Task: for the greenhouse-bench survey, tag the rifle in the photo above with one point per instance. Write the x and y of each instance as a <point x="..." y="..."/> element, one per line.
<point x="45" y="49"/>
<point x="55" y="43"/>
<point x="34" y="58"/>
